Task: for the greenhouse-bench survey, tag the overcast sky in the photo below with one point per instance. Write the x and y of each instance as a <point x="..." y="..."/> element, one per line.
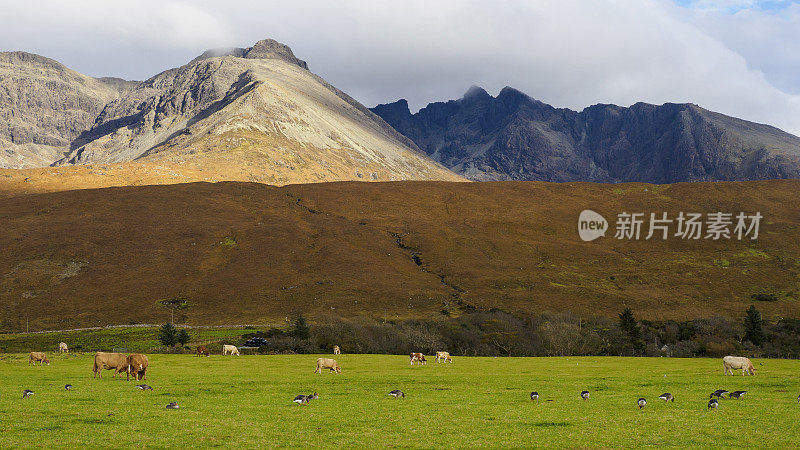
<point x="738" y="57"/>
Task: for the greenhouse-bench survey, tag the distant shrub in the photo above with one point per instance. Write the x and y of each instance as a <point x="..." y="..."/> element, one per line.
<point x="229" y="242"/>
<point x="765" y="297"/>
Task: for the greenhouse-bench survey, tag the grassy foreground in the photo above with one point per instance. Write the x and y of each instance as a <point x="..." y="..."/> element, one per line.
<point x="247" y="402"/>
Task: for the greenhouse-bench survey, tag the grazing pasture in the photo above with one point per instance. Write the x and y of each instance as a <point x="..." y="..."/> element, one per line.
<point x="247" y="402"/>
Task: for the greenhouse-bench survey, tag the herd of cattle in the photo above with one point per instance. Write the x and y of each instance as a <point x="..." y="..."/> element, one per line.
<point x="136" y="364"/>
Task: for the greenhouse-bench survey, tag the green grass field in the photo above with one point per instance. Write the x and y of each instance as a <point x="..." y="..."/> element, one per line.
<point x="134" y="339"/>
<point x="247" y="402"/>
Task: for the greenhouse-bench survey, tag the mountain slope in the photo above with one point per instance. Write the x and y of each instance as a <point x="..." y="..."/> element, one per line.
<point x="44" y="106"/>
<point x="252" y="253"/>
<point x="253" y="114"/>
<point x="514" y="137"/>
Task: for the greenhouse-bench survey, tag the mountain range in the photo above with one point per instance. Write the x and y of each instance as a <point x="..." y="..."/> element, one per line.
<point x="515" y="137"/>
<point x="255" y="114"/>
<point x="258" y="114"/>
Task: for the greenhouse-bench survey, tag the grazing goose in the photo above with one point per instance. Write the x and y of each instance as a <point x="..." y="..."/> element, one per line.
<point x="667" y="397"/>
<point x="300" y="399"/>
<point x="642" y="402"/>
<point x="534" y="395"/>
<point x="719" y="393"/>
<point x="585" y="395"/>
<point x="27" y="393"/>
<point x="737" y="394"/>
<point x="173" y="405"/>
<point x="397" y="393"/>
<point x="68" y="387"/>
<point x="144" y="387"/>
<point x="712" y="403"/>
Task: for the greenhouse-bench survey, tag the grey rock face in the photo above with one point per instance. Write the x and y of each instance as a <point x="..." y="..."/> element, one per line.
<point x="48" y="113"/>
<point x="515" y="137"/>
<point x="44" y="106"/>
<point x="129" y="126"/>
<point x="255" y="114"/>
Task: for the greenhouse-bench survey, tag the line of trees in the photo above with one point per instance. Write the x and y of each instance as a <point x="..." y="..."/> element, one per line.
<point x="169" y="336"/>
<point x="498" y="333"/>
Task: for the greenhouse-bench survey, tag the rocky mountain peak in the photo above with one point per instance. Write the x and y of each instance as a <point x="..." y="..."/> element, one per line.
<point x="476" y="92"/>
<point x="32" y="59"/>
<point x="509" y="92"/>
<point x="396" y="109"/>
<point x="263" y="49"/>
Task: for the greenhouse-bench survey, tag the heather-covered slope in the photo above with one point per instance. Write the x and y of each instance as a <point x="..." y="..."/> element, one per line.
<point x="248" y="253"/>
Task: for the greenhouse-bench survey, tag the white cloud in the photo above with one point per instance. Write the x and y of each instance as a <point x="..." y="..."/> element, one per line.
<point x="768" y="40"/>
<point x="164" y="23"/>
<point x="569" y="53"/>
<point x="98" y="37"/>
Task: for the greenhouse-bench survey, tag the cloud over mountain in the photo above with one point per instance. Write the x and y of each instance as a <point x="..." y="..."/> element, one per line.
<point x="568" y="53"/>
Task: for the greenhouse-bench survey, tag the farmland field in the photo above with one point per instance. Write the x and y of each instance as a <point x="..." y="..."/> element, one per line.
<point x="247" y="402"/>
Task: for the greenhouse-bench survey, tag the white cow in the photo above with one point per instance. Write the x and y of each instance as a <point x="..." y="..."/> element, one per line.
<point x="729" y="363"/>
<point x="230" y="348"/>
<point x="327" y="363"/>
<point x="62" y="347"/>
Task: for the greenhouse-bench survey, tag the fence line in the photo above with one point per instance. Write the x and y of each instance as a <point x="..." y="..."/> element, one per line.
<point x="139" y="325"/>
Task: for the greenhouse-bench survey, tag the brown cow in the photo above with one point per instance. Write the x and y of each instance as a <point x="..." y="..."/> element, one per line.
<point x="419" y="358"/>
<point x="137" y="365"/>
<point x="117" y="362"/>
<point x="40" y="357"/>
<point x="327" y="363"/>
<point x="202" y="351"/>
<point x="337" y="350"/>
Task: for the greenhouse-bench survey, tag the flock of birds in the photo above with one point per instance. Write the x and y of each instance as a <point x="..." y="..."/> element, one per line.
<point x="641" y="402"/>
<point x="668" y="397"/>
<point x="300" y="399"/>
<point x="174" y="405"/>
<point x="397" y="393"/>
<point x="304" y="399"/>
<point x="721" y="393"/>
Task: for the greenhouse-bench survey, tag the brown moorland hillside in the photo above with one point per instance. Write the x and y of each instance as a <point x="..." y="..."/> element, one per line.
<point x="252" y="253"/>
